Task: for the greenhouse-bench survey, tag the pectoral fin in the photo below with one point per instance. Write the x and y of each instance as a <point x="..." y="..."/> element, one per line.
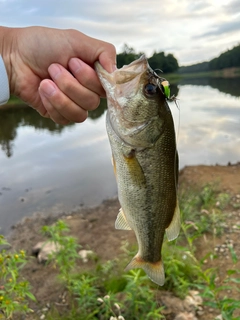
<point x="114" y="166"/>
<point x="121" y="221"/>
<point x="134" y="167"/>
<point x="173" y="229"/>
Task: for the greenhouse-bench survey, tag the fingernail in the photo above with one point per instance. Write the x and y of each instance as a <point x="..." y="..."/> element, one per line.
<point x="74" y="64"/>
<point x="54" y="70"/>
<point x="47" y="88"/>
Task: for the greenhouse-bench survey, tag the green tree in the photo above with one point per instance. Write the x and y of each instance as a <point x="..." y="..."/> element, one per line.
<point x="126" y="56"/>
<point x="165" y="63"/>
<point x="227" y="59"/>
<point x="171" y="63"/>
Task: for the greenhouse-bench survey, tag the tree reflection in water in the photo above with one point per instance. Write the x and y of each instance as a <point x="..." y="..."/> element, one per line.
<point x="225" y="85"/>
<point x="16" y="116"/>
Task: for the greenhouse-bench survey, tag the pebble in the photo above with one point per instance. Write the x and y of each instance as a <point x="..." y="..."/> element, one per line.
<point x="44" y="309"/>
<point x="43" y="249"/>
<point x="42" y="316"/>
<point x="224" y="248"/>
<point x="185" y="316"/>
<point x="84" y="254"/>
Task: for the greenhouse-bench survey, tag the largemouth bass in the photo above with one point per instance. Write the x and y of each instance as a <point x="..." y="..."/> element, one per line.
<point x="142" y="137"/>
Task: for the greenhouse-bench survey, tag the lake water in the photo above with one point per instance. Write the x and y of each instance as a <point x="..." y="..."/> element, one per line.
<point x="48" y="168"/>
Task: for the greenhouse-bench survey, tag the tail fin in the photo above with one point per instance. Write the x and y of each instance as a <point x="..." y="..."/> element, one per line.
<point x="155" y="271"/>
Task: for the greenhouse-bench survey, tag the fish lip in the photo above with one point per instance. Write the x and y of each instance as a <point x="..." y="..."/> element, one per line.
<point x="124" y="74"/>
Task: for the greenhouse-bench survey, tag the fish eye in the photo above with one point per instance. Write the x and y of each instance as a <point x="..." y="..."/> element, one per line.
<point x="150" y="89"/>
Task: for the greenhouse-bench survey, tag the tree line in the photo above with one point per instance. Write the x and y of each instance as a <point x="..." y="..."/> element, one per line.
<point x="228" y="59"/>
<point x="159" y="60"/>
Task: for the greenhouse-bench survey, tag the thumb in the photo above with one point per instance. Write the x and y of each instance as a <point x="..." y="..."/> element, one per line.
<point x="91" y="50"/>
<point x="108" y="60"/>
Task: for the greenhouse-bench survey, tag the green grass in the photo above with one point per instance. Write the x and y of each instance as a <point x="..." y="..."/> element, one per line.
<point x="106" y="291"/>
<point x="15" y="291"/>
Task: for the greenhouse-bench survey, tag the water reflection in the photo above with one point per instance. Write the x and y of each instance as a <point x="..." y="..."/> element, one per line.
<point x="174" y="89"/>
<point x="19" y="116"/>
<point x="209" y="130"/>
<point x="225" y="85"/>
<point x="49" y="168"/>
<point x="15" y="117"/>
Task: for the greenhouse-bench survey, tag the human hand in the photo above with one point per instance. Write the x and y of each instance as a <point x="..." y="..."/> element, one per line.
<point x="52" y="70"/>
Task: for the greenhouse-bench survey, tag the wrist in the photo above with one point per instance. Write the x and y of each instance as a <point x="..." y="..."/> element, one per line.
<point x="6" y="44"/>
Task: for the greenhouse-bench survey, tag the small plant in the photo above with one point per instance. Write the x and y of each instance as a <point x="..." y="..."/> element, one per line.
<point x="205" y="210"/>
<point x="137" y="301"/>
<point x="181" y="268"/>
<point x="108" y="293"/>
<point x="214" y="291"/>
<point x="14" y="290"/>
<point x="66" y="257"/>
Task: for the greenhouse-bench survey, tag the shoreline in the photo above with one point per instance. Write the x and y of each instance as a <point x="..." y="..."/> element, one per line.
<point x="199" y="175"/>
<point x="93" y="228"/>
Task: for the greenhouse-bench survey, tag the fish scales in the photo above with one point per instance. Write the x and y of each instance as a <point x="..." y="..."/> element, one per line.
<point x="142" y="138"/>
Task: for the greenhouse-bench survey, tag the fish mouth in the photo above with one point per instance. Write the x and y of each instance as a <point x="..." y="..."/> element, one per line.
<point x="121" y="76"/>
<point x="129" y="72"/>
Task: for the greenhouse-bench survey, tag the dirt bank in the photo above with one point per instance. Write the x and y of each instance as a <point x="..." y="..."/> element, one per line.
<point x="94" y="227"/>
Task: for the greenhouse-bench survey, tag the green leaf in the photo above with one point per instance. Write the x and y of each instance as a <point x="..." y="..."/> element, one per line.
<point x="235" y="280"/>
<point x="231" y="271"/>
<point x="30" y="296"/>
<point x="233" y="254"/>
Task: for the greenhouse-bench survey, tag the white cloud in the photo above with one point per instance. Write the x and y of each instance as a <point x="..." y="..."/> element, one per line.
<point x="181" y="27"/>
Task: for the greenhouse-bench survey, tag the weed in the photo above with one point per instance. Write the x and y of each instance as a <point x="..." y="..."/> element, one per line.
<point x="205" y="209"/>
<point x="139" y="298"/>
<point x="214" y="291"/>
<point x="137" y="301"/>
<point x="66" y="257"/>
<point x="107" y="293"/>
<point x="14" y="290"/>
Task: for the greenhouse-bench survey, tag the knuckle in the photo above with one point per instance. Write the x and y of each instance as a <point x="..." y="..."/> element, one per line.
<point x="93" y="102"/>
<point x="62" y="121"/>
<point x="112" y="48"/>
<point x="81" y="116"/>
<point x="65" y="85"/>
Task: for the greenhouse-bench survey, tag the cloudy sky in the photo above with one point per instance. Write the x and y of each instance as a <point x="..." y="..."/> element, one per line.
<point x="194" y="31"/>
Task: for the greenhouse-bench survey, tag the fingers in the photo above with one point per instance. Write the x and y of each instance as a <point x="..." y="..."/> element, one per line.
<point x="60" y="108"/>
<point x="81" y="93"/>
<point x="90" y="50"/>
<point x="68" y="98"/>
<point x="86" y="76"/>
<point x="108" y="58"/>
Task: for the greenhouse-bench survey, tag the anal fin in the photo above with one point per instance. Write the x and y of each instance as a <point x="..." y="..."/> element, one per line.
<point x="121" y="221"/>
<point x="173" y="229"/>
